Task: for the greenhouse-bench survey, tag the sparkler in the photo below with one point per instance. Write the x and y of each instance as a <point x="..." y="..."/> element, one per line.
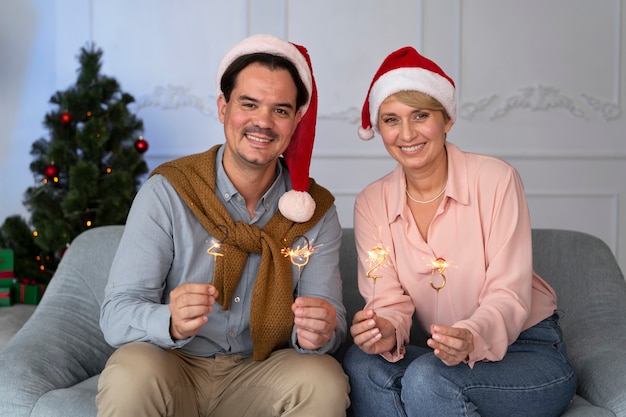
<point x="441" y="265"/>
<point x="376" y="257"/>
<point x="216" y="245"/>
<point x="299" y="255"/>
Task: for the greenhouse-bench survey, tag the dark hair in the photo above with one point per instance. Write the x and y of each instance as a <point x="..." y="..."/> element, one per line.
<point x="229" y="78"/>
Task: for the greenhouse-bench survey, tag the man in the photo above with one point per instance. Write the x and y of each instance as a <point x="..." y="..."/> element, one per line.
<point x="213" y="313"/>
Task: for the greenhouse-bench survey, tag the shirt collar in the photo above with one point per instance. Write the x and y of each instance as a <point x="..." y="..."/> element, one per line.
<point x="223" y="185"/>
<point x="457" y="187"/>
<point x="269" y="201"/>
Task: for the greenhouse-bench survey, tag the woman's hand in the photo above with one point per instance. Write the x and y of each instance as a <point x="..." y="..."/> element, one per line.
<point x="371" y="333"/>
<point x="451" y="344"/>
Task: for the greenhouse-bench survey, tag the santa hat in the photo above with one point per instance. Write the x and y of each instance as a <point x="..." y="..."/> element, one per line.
<point x="297" y="204"/>
<point x="406" y="70"/>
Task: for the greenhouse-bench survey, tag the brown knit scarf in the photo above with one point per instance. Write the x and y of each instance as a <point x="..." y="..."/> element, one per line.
<point x="271" y="318"/>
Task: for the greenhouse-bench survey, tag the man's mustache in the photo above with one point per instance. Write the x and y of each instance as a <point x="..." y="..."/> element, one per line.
<point x="260" y="131"/>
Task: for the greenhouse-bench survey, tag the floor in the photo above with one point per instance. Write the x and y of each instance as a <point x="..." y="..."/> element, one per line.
<point x="11" y="320"/>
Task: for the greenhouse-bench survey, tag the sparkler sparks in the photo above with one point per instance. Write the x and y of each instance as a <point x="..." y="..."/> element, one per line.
<point x="216" y="246"/>
<point x="441" y="265"/>
<point x="376" y="257"/>
<point x="299" y="255"/>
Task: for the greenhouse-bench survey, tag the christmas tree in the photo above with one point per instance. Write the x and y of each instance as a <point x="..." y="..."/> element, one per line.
<point x="86" y="173"/>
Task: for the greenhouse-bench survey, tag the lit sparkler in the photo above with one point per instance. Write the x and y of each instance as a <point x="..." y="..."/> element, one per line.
<point x="440" y="265"/>
<point x="299" y="255"/>
<point x="216" y="246"/>
<point x="376" y="257"/>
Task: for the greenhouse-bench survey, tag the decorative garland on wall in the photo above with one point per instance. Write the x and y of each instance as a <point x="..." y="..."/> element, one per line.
<point x="539" y="98"/>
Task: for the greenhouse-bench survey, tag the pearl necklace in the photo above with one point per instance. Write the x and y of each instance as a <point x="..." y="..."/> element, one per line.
<point x="427" y="201"/>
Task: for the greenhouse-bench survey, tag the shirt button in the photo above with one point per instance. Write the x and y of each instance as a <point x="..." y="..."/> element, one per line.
<point x="231" y="333"/>
<point x="237" y="299"/>
<point x="226" y="195"/>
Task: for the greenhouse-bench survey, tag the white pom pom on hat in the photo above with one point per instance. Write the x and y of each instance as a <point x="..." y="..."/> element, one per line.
<point x="296" y="204"/>
<point x="406" y="70"/>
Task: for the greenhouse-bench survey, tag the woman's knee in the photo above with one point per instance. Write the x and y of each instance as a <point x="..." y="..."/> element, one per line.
<point x="422" y="372"/>
<point x="352" y="362"/>
<point x="366" y="371"/>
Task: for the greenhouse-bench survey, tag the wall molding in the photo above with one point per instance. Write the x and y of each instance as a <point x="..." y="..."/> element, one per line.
<point x="540" y="98"/>
<point x="175" y="97"/>
<point x="543" y="98"/>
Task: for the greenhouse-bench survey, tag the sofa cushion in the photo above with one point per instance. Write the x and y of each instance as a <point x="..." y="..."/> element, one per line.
<point x="80" y="397"/>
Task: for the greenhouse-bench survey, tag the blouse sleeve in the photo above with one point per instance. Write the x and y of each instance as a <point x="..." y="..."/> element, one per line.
<point x="385" y="294"/>
<point x="505" y="297"/>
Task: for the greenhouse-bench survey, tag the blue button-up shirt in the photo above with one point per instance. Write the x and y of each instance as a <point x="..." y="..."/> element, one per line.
<point x="164" y="246"/>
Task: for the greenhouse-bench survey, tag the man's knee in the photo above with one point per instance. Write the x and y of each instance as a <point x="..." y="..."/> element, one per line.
<point x="138" y="361"/>
<point x="325" y="372"/>
<point x="134" y="373"/>
<point x="321" y="379"/>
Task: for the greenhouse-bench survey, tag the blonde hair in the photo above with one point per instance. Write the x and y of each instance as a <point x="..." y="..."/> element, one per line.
<point x="419" y="100"/>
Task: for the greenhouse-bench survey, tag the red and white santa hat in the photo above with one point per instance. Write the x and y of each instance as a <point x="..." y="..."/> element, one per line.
<point x="297" y="204"/>
<point x="406" y="70"/>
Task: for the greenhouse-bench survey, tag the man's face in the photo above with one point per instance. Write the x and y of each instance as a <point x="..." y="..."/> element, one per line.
<point x="260" y="117"/>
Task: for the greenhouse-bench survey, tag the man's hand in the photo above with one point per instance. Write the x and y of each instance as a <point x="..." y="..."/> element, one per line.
<point x="315" y="320"/>
<point x="371" y="333"/>
<point x="189" y="305"/>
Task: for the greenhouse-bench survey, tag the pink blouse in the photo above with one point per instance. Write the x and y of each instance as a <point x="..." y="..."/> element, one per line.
<point x="481" y="229"/>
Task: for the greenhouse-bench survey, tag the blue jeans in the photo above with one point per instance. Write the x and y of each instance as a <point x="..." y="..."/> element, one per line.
<point x="534" y="378"/>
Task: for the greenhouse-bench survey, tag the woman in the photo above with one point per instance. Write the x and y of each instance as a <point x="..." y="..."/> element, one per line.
<point x="446" y="235"/>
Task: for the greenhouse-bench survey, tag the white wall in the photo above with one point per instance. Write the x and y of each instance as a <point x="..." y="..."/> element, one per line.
<point x="540" y="84"/>
<point x="27" y="80"/>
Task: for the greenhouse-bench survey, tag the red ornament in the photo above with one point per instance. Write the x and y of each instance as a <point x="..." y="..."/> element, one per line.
<point x="66" y="118"/>
<point x="141" y="145"/>
<point x="51" y="171"/>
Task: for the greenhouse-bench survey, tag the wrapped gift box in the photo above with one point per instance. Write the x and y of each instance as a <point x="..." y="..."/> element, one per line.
<point x="27" y="291"/>
<point x="7" y="282"/>
<point x="5" y="297"/>
<point x="6" y="263"/>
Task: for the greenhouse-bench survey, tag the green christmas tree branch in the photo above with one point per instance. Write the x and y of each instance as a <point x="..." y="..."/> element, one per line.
<point x="86" y="172"/>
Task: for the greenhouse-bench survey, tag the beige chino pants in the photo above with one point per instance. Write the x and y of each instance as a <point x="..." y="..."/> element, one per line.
<point x="141" y="379"/>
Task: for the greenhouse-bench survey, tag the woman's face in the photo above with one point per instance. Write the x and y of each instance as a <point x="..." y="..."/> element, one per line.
<point x="413" y="137"/>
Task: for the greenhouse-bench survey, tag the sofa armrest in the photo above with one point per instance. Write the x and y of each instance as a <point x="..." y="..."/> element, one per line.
<point x="592" y="298"/>
<point x="61" y="344"/>
<point x="596" y="342"/>
<point x="602" y="379"/>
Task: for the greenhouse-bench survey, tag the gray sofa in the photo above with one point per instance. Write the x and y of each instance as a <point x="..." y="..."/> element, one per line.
<point x="51" y="366"/>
